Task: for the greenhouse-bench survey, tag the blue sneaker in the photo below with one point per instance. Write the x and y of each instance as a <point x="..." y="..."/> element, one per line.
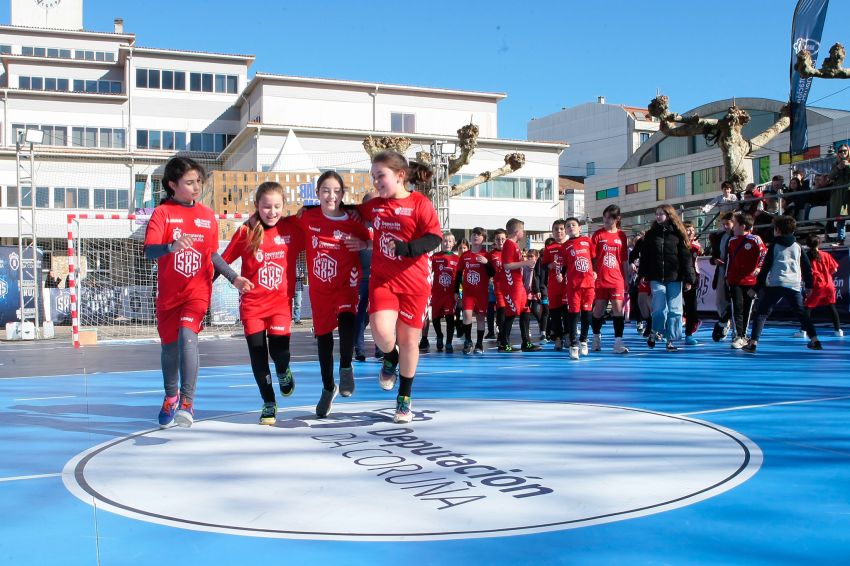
<point x="166" y="413"/>
<point x="691" y="341"/>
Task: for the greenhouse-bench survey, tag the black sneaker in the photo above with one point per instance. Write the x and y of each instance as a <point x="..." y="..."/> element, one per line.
<point x="359" y="356"/>
<point x="749" y="347"/>
<point x="379" y="355"/>
<point x="490" y="336"/>
<point x="346" y="382"/>
<point x="718" y="332"/>
<point x="424" y="346"/>
<point x="268" y="416"/>
<point x="814" y="345"/>
<point x="507" y="349"/>
<point x="286" y="382"/>
<point x="450" y="349"/>
<point x="529" y="347"/>
<point x="323" y="407"/>
<point x="439" y="344"/>
<point x="671" y="347"/>
<point x="467" y="346"/>
<point x="650" y="341"/>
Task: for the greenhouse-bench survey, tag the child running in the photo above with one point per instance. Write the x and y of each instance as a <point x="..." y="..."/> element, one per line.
<point x="581" y="280"/>
<point x="745" y="256"/>
<point x="405" y="229"/>
<point x="264" y="305"/>
<point x="611" y="263"/>
<point x="474" y="273"/>
<point x="444" y="267"/>
<point x="513" y="289"/>
<point x="334" y="241"/>
<point x="182" y="236"/>
<point x="785" y="268"/>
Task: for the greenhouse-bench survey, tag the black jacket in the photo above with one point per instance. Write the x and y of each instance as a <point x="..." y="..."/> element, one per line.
<point x="664" y="256"/>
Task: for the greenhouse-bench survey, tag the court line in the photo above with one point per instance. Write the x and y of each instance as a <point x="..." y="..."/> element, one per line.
<point x="522" y="366"/>
<point x="142" y="392"/>
<point x="35" y="477"/>
<point x="46" y="398"/>
<point x="244" y="385"/>
<point x="761" y="406"/>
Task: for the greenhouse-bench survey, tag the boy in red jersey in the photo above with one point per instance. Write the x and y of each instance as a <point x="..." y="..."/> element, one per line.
<point x="182" y="236"/>
<point x="581" y="280"/>
<point x="333" y="241"/>
<point x="744" y="259"/>
<point x="513" y="289"/>
<point x="473" y="273"/>
<point x="405" y="229"/>
<point x="499" y="238"/>
<point x="553" y="261"/>
<point x="611" y="254"/>
<point x="689" y="297"/>
<point x="264" y="306"/>
<point x="444" y="268"/>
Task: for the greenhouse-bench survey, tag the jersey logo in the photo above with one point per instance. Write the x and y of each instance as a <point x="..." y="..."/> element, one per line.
<point x="445" y="279"/>
<point x="354" y="277"/>
<point x="270" y="276"/>
<point x="187" y="262"/>
<point x="315" y="242"/>
<point x="582" y="265"/>
<point x="324" y="267"/>
<point x="609" y="261"/>
<point x="748" y="246"/>
<point x="473" y="277"/>
<point x="278" y="240"/>
<point x="384" y="244"/>
<point x="259" y="256"/>
<point x="176" y="233"/>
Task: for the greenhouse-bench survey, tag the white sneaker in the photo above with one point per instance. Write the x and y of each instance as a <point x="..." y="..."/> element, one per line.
<point x="583" y="348"/>
<point x="619" y="347"/>
<point x="800" y="334"/>
<point x="597" y="343"/>
<point x="839" y="333"/>
<point x="738" y="343"/>
<point x="573" y="352"/>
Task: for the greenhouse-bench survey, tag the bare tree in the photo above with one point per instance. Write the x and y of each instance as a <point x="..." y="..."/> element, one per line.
<point x="832" y="68"/>
<point x="726" y="132"/>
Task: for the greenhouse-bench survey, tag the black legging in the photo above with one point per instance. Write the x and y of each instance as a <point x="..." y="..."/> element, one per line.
<point x="836" y="320"/>
<point x="346" y="348"/>
<point x="690" y="311"/>
<point x="259" y="350"/>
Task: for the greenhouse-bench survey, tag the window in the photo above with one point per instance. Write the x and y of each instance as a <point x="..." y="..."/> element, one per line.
<point x="180" y="141"/>
<point x="168" y="80"/>
<point x="543" y="189"/>
<point x="219" y="83"/>
<point x="26" y="196"/>
<point x="42" y="197"/>
<point x="179" y="80"/>
<point x="154" y="139"/>
<point x="40" y="51"/>
<point x="24" y="82"/>
<point x="201" y="82"/>
<point x="195" y="82"/>
<point x="232" y="84"/>
<point x="207" y="82"/>
<point x="58" y="197"/>
<point x="141" y="139"/>
<point x="638" y="187"/>
<point x="12" y="197"/>
<point x="5" y="49"/>
<point x="403" y="123"/>
<point x="36" y="83"/>
<point x="608" y="193"/>
<point x="141" y="78"/>
<point x="590" y="168"/>
<point x="62" y="84"/>
<point x="644" y="137"/>
<point x="670" y="187"/>
<point x="83" y="137"/>
<point x="110" y="199"/>
<point x="82" y="198"/>
<point x="153" y="78"/>
<point x="706" y="180"/>
<point x="26" y="50"/>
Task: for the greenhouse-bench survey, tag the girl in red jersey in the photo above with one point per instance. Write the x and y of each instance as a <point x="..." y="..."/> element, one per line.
<point x="578" y="254"/>
<point x="264" y="306"/>
<point x="405" y="229"/>
<point x="182" y="236"/>
<point x="333" y="241"/>
<point x="444" y="267"/>
<point x="822" y="293"/>
<point x="611" y="263"/>
<point x="473" y="274"/>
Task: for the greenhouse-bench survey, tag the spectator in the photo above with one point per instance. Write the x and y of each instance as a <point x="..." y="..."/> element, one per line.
<point x="726" y="201"/>
<point x="51" y="282"/>
<point x="773" y="196"/>
<point x="839" y="176"/>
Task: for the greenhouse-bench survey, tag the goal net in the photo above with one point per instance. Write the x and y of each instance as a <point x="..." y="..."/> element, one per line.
<point x="112" y="287"/>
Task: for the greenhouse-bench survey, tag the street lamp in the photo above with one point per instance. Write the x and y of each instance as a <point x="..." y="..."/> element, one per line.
<point x="31" y="137"/>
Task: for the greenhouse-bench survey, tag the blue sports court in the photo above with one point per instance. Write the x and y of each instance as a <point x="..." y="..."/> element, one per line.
<point x="706" y="455"/>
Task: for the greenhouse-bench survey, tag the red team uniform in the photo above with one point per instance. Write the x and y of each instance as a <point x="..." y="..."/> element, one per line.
<point x="402" y="284"/>
<point x="513" y="289"/>
<point x="610" y="251"/>
<point x="822" y="292"/>
<point x="266" y="306"/>
<point x="553" y="255"/>
<point x="744" y="255"/>
<point x="293" y="236"/>
<point x="580" y="282"/>
<point x="333" y="269"/>
<point x="444" y="267"/>
<point x="476" y="282"/>
<point x="499" y="283"/>
<point x="184" y="278"/>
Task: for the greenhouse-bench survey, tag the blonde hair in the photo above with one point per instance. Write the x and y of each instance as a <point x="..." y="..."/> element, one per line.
<point x="257" y="232"/>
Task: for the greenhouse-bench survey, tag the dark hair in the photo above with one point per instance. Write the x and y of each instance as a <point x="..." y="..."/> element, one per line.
<point x="462" y="242"/>
<point x="558" y="222"/>
<point x="513" y="225"/>
<point x="688" y="224"/>
<point x="744" y="219"/>
<point x="498" y="231"/>
<point x="414" y="172"/>
<point x="726" y="216"/>
<point x="574" y="219"/>
<point x="256" y="234"/>
<point x="479" y="231"/>
<point x="785" y="225"/>
<point x="813" y="242"/>
<point x="329" y="175"/>
<point x="176" y="168"/>
<point x="612" y="210"/>
<point x="725" y="184"/>
<point x="548" y="241"/>
<point x="779" y="178"/>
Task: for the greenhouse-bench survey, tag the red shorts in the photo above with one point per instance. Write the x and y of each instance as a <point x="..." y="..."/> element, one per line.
<point x="411" y="309"/>
<point x="557" y="295"/>
<point x="500" y="299"/>
<point x="580" y="299"/>
<point x="475" y="302"/>
<point x="516" y="301"/>
<point x="820" y="298"/>
<point x="277" y="325"/>
<point x="188" y="315"/>
<point x="442" y="304"/>
<point x="609" y="294"/>
<point x="327" y="306"/>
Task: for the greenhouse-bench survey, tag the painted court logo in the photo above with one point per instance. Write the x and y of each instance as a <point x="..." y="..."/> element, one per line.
<point x="448" y="474"/>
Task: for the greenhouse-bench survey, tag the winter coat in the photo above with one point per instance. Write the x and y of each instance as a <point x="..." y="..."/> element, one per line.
<point x="665" y="256"/>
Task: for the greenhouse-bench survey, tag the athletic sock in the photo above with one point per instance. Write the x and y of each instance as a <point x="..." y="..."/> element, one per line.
<point x="619" y="326"/>
<point x="405" y="386"/>
<point x="479" y="339"/>
<point x="597" y="325"/>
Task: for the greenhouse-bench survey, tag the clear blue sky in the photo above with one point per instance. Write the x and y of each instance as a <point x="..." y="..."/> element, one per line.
<point x="544" y="55"/>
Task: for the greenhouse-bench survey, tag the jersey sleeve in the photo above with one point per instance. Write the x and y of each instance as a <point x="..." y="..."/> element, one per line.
<point x="428" y="217"/>
<point x="237" y="245"/>
<point x="360" y="231"/>
<point x="155" y="232"/>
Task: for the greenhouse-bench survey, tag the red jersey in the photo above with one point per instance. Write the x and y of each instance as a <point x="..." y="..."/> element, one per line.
<point x="512" y="278"/>
<point x="444" y="267"/>
<point x="696" y="251"/>
<point x="553" y="255"/>
<point x="744" y="256"/>
<point x="499" y="282"/>
<point x="266" y="269"/>
<point x="405" y="219"/>
<point x="610" y="251"/>
<point x="330" y="264"/>
<point x="185" y="275"/>
<point x="823" y="272"/>
<point x="578" y="252"/>
<point x="475" y="276"/>
<point x="293" y="236"/>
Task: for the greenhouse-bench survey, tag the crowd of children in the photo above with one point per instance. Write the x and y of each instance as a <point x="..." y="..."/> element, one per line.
<point x="569" y="287"/>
